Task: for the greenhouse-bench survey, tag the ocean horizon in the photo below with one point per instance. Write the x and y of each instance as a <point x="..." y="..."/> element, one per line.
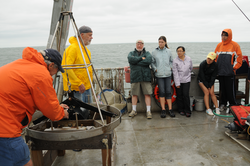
<point x="115" y="55"/>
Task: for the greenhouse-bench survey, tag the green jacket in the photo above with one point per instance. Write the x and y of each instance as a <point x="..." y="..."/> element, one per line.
<point x="139" y="68"/>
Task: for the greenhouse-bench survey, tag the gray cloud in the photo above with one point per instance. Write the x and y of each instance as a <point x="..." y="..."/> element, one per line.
<point x="27" y="22"/>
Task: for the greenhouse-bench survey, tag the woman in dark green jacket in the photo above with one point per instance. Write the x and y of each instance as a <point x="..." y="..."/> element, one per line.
<point x="207" y="73"/>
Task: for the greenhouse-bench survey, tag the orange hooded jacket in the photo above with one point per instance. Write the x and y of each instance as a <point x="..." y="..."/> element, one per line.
<point x="229" y="56"/>
<point x="25" y="86"/>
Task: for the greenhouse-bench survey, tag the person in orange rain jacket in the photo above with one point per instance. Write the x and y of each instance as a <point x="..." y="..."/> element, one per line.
<point x="229" y="59"/>
<point x="26" y="86"/>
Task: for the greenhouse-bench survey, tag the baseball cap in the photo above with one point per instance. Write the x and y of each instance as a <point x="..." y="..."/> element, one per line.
<point x="211" y="55"/>
<point x="53" y="56"/>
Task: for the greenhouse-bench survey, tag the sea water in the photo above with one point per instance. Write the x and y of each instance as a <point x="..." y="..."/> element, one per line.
<point x="115" y="55"/>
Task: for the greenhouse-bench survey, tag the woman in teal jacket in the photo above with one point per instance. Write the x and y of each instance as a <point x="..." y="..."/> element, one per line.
<point x="162" y="65"/>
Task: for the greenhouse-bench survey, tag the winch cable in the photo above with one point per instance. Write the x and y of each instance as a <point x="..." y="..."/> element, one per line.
<point x="241" y="10"/>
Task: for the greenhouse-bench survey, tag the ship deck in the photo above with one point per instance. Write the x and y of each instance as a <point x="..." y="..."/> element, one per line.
<point x="196" y="141"/>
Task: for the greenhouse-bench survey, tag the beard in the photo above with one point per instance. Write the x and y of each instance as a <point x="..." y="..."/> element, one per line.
<point x="139" y="49"/>
<point x="87" y="42"/>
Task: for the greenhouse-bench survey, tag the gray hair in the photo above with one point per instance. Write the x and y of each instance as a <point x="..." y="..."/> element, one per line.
<point x="48" y="63"/>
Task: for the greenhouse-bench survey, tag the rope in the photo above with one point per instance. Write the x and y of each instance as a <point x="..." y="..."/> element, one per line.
<point x="68" y="83"/>
<point x="111" y="79"/>
<point x="244" y="109"/>
<point x="225" y="121"/>
<point x="101" y="78"/>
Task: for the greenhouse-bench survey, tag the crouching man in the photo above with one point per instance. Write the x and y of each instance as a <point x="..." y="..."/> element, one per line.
<point x="26" y="86"/>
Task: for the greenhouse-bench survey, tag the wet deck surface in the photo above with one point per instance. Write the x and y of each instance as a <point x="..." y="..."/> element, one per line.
<point x="196" y="141"/>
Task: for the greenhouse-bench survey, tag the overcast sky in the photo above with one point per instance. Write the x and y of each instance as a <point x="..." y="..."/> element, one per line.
<point x="27" y="22"/>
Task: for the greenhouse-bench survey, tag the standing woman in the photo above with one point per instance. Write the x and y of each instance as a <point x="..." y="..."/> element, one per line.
<point x="162" y="64"/>
<point x="182" y="67"/>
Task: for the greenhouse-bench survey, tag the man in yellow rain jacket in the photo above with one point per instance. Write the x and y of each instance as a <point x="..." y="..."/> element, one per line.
<point x="78" y="78"/>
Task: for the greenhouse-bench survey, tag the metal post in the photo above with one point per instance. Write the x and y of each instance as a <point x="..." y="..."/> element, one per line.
<point x="57" y="25"/>
<point x="85" y="64"/>
<point x="74" y="27"/>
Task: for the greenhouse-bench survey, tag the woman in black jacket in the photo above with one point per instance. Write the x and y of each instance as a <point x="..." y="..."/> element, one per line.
<point x="207" y="73"/>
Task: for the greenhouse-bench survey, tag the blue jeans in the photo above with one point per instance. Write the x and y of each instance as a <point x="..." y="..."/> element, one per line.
<point x="14" y="152"/>
<point x="164" y="85"/>
<point x="86" y="97"/>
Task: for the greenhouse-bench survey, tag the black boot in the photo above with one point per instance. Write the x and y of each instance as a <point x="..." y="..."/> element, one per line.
<point x="171" y="113"/>
<point x="163" y="114"/>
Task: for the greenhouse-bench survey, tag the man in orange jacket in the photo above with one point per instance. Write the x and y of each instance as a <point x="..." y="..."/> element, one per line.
<point x="26" y="86"/>
<point x="229" y="59"/>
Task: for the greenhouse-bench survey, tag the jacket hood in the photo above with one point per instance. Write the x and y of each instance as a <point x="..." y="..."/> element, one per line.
<point x="72" y="40"/>
<point x="33" y="55"/>
<point x="230" y="36"/>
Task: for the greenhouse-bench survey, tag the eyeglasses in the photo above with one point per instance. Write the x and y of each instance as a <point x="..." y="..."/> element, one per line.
<point x="139" y="43"/>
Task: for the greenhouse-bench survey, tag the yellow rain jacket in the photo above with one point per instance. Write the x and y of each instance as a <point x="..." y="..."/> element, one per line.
<point x="76" y="77"/>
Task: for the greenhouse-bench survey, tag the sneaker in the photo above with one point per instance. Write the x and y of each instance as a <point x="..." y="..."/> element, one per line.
<point x="163" y="114"/>
<point x="222" y="108"/>
<point x="132" y="113"/>
<point x="217" y="111"/>
<point x="149" y="115"/>
<point x="188" y="115"/>
<point x="209" y="112"/>
<point x="182" y="113"/>
<point x="171" y="113"/>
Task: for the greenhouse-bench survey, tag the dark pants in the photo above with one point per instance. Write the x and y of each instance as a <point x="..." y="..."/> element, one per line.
<point x="227" y="89"/>
<point x="183" y="99"/>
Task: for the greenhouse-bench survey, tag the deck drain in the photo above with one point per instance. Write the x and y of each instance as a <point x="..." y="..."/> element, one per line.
<point x="215" y="156"/>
